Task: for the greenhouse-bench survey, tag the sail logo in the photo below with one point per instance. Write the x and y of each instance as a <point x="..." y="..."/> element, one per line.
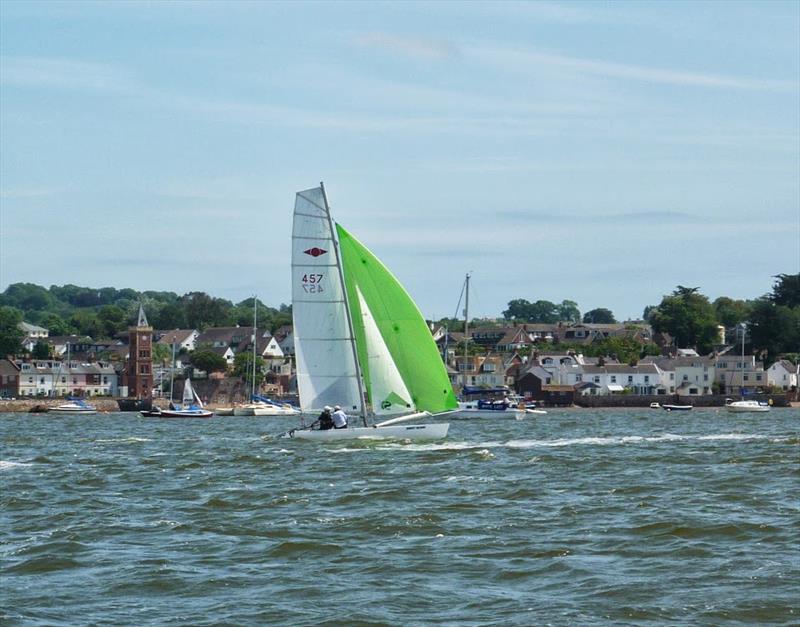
<point x="315" y="252"/>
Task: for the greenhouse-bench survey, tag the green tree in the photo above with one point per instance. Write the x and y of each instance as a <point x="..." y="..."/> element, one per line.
<point x="599" y="316"/>
<point x="774" y="329"/>
<point x="688" y="317"/>
<point x="568" y="311"/>
<point x="731" y="312"/>
<point x="204" y="311"/>
<point x="27" y="297"/>
<point x="85" y="322"/>
<point x="10" y="334"/>
<point x="112" y="319"/>
<point x="56" y="325"/>
<point x="209" y="361"/>
<point x="786" y="290"/>
<point x="518" y="309"/>
<point x="41" y="350"/>
<point x="243" y="368"/>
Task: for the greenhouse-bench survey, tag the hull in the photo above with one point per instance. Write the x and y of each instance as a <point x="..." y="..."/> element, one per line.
<point x="741" y="407"/>
<point x="168" y="413"/>
<point x="434" y="431"/>
<point x="677" y="407"/>
<point x="135" y="404"/>
<point x="71" y="412"/>
<point x="264" y="410"/>
<point x="224" y="411"/>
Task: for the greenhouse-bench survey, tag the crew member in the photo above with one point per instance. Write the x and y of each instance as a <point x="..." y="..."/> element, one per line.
<point x="339" y="418"/>
<point x="324" y="421"/>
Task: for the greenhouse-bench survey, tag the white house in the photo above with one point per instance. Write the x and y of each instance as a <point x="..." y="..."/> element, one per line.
<point x="783" y="374"/>
<point x="615" y="378"/>
<point x="739" y="375"/>
<point x="185" y="339"/>
<point x="56" y="378"/>
<point x="686" y="376"/>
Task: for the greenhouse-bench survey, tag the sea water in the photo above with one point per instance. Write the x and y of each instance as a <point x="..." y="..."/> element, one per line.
<point x="575" y="517"/>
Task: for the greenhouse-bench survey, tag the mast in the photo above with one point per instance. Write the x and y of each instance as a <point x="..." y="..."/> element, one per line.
<point x="350" y="329"/>
<point x="172" y="371"/>
<point x="741" y="374"/>
<point x="466" y="333"/>
<point x="255" y="332"/>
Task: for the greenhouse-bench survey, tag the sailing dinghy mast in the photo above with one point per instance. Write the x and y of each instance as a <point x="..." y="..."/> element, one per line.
<point x="350" y="330"/>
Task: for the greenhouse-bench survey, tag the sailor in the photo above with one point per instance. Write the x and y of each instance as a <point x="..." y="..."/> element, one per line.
<point x="339" y="418"/>
<point x="324" y="421"/>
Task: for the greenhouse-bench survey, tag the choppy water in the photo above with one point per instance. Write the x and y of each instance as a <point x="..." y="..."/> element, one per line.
<point x="577" y="517"/>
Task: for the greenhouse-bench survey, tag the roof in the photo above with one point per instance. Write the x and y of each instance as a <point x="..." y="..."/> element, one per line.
<point x="180" y="335"/>
<point x="621" y="369"/>
<point x="225" y="334"/>
<point x="27" y="327"/>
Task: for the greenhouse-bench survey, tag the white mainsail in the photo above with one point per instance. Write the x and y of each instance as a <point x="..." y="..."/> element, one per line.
<point x="326" y="370"/>
<point x="387" y="389"/>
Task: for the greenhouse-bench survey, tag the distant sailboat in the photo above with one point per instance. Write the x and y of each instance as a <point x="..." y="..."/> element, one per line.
<point x="360" y="340"/>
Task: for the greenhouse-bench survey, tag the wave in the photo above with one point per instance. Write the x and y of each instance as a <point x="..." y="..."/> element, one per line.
<point x="620" y="440"/>
<point x="8" y="465"/>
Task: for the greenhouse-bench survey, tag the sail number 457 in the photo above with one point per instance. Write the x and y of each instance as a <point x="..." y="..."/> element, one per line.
<point x="312" y="283"/>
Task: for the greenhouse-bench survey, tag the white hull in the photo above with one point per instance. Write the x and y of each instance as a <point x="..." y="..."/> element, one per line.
<point x="433" y="431"/>
<point x="224" y="411"/>
<point x="81" y="409"/>
<point x="740" y="407"/>
<point x="264" y="410"/>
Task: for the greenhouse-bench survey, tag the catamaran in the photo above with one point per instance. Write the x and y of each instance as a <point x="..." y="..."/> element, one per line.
<point x="360" y="340"/>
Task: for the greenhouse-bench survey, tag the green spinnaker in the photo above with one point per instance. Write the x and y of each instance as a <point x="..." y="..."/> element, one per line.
<point x="400" y="323"/>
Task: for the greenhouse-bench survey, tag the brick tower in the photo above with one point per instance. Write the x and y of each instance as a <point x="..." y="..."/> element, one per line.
<point x="140" y="359"/>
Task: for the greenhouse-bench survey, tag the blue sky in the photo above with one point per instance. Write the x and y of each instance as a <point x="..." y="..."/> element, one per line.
<point x="600" y="152"/>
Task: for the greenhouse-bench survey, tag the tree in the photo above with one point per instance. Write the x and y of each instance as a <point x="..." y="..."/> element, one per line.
<point x="112" y="319"/>
<point x="731" y="312"/>
<point x="518" y="309"/>
<point x="204" y="311"/>
<point x="243" y="368"/>
<point x="786" y="290"/>
<point x="688" y="317"/>
<point x="568" y="311"/>
<point x="41" y="350"/>
<point x="56" y="325"/>
<point x="11" y="335"/>
<point x="774" y="329"/>
<point x="209" y="361"/>
<point x="599" y="316"/>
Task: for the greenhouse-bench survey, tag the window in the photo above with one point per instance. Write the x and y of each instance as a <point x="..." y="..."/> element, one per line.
<point x="630" y="378"/>
<point x="705" y="377"/>
<point x="692" y="390"/>
<point x="144" y="369"/>
<point x="105" y="379"/>
<point x="686" y="377"/>
<point x="613" y="378"/>
<point x="597" y="379"/>
<point x="63" y="379"/>
<point x="758" y="377"/>
<point x="144" y="354"/>
<point x="647" y="378"/>
<point x="30" y="379"/>
<point x="578" y="378"/>
<point x="746" y="377"/>
<point x="41" y="380"/>
<point x="671" y="376"/>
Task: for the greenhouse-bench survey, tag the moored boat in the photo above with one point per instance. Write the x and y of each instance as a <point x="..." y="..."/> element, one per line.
<point x="744" y="406"/>
<point x="74" y="406"/>
<point x="671" y="407"/>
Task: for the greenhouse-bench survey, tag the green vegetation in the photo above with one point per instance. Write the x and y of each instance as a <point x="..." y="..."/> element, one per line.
<point x="209" y="361"/>
<point x="106" y="312"/>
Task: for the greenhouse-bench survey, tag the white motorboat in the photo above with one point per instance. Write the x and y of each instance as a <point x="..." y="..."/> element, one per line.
<point x="360" y="340"/>
<point x="740" y="407"/>
<point x="75" y="406"/>
<point x="265" y="407"/>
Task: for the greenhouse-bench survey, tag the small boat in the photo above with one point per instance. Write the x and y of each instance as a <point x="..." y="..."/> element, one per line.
<point x="224" y="411"/>
<point x="74" y="406"/>
<point x="262" y="406"/>
<point x="360" y="340"/>
<point x="192" y="406"/>
<point x="740" y="407"/>
<point x="500" y="406"/>
<point x="669" y="407"/>
<point x="655" y="405"/>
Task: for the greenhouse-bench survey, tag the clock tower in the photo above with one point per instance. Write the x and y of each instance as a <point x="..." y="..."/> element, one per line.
<point x="140" y="359"/>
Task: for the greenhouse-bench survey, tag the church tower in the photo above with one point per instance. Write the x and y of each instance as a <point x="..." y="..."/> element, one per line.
<point x="140" y="358"/>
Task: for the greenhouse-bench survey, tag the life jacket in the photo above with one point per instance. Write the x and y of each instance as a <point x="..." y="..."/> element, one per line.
<point x="325" y="421"/>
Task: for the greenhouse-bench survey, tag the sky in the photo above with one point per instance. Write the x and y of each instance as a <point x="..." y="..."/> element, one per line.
<point x="601" y="152"/>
